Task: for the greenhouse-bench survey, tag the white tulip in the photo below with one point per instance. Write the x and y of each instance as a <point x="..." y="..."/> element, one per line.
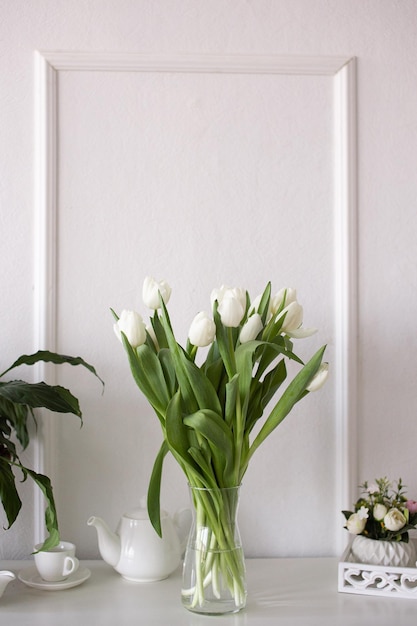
<point x="217" y="294"/>
<point x="202" y="330"/>
<point x="251" y="329"/>
<point x="132" y="325"/>
<point x="231" y="311"/>
<point x="231" y="304"/>
<point x="284" y="297"/>
<point x="319" y="378"/>
<point x="151" y="290"/>
<point x="293" y="317"/>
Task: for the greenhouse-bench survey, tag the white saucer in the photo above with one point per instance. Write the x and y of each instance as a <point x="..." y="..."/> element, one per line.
<point x="31" y="577"/>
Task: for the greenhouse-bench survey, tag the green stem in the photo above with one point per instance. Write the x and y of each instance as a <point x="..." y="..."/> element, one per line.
<point x="239" y="434"/>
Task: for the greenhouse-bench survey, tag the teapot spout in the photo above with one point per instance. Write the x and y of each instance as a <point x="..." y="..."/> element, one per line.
<point x="5" y="578"/>
<point x="108" y="541"/>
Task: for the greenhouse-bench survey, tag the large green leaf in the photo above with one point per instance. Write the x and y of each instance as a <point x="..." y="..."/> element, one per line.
<point x="51" y="357"/>
<point x="8" y="492"/>
<point x="51" y="520"/>
<point x="55" y="398"/>
<point x="16" y="415"/>
<point x="7" y="445"/>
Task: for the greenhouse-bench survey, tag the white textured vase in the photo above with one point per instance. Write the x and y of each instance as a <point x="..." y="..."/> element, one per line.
<point x="377" y="552"/>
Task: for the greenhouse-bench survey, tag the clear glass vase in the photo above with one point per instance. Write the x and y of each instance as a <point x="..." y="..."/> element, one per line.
<point x="214" y="575"/>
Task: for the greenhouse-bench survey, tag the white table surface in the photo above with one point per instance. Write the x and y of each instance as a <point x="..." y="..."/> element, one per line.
<point x="280" y="591"/>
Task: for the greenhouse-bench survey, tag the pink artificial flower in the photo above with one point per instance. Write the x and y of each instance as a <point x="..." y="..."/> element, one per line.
<point x="411" y="506"/>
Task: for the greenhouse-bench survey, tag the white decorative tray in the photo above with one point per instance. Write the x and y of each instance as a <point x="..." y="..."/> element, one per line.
<point x="376" y="580"/>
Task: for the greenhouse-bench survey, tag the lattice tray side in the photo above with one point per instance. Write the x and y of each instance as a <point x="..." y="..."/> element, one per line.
<point x="377" y="580"/>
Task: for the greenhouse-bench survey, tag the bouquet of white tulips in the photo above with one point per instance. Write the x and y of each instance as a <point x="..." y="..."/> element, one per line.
<point x="208" y="411"/>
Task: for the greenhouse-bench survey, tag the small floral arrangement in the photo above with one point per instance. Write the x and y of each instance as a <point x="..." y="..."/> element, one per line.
<point x="382" y="512"/>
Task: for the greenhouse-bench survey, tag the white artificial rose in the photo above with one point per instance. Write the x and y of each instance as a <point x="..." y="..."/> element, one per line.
<point x="132" y="325"/>
<point x="379" y="512"/>
<point x="202" y="330"/>
<point x="394" y="520"/>
<point x="356" y="524"/>
<point x="251" y="329"/>
<point x="151" y="290"/>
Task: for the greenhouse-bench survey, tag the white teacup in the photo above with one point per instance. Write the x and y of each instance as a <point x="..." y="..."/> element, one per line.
<point x="57" y="563"/>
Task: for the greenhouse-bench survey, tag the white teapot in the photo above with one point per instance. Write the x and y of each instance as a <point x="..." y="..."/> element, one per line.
<point x="5" y="578"/>
<point x="136" y="551"/>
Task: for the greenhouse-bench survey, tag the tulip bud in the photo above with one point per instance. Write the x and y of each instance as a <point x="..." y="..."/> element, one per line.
<point x="251" y="329"/>
<point x="319" y="378"/>
<point x="151" y="290"/>
<point x="132" y="325"/>
<point x="202" y="330"/>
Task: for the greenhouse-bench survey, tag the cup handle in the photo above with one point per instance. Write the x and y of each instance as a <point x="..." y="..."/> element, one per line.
<point x="71" y="564"/>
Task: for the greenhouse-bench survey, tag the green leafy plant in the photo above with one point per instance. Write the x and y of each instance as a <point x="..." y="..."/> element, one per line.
<point x="19" y="401"/>
<point x="208" y="411"/>
<point x="382" y="512"/>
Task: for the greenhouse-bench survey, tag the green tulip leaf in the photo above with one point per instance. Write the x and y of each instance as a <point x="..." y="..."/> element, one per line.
<point x="148" y="374"/>
<point x="154" y="489"/>
<point x="212" y="427"/>
<point x="289" y="398"/>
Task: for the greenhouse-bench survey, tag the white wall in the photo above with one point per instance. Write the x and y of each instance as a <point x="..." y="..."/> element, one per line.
<point x="381" y="35"/>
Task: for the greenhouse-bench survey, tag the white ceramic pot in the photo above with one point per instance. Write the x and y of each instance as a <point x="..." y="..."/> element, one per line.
<point x="377" y="552"/>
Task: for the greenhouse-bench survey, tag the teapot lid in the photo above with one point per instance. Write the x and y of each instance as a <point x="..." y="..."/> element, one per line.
<point x="141" y="513"/>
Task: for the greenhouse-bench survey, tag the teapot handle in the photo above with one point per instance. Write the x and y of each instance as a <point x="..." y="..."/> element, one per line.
<point x="182" y="522"/>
